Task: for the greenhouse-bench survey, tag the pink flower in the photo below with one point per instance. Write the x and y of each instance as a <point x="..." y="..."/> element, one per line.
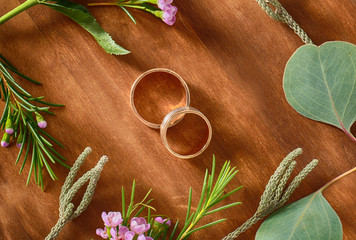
<point x="5" y="141"/>
<point x="161" y="221"/>
<point x="169" y="14"/>
<point x="112" y="219"/>
<point x="143" y="237"/>
<point x="163" y="3"/>
<point x="102" y="232"/>
<point x="122" y="234"/>
<point x="40" y="121"/>
<point x="129" y="235"/>
<point x="139" y="225"/>
<point x="9" y="130"/>
<point x="123" y="230"/>
<point x="4" y="144"/>
<point x="42" y="124"/>
<point x="113" y="234"/>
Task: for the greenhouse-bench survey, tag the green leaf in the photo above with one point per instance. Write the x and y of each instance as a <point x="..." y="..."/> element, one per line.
<point x="83" y="17"/>
<point x="123" y="203"/>
<point x="129" y="14"/>
<point x="319" y="83"/>
<point x="206" y="226"/>
<point x="311" y="217"/>
<point x="11" y="67"/>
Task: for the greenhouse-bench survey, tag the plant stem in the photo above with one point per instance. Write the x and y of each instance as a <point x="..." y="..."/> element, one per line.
<point x="117" y="4"/>
<point x="347" y="132"/>
<point x="121" y="3"/>
<point x="17" y="10"/>
<point x="337" y="178"/>
<point x="190" y="226"/>
<point x="103" y="4"/>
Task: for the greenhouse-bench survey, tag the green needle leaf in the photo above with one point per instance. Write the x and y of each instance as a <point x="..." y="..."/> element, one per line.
<point x="50" y="137"/>
<point x="26" y="154"/>
<point x="4" y="114"/>
<point x="189" y="204"/>
<point x="48" y="103"/>
<point x="129" y="14"/>
<point x="22" y="146"/>
<point x="146" y="205"/>
<point x="9" y="66"/>
<point x="123" y="203"/>
<point x="32" y="163"/>
<point x="206" y="226"/>
<point x="83" y="17"/>
<point x="174" y="230"/>
<point x="223" y="208"/>
<point x="56" y="153"/>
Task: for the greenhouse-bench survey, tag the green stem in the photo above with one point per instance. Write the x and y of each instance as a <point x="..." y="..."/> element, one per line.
<point x="122" y="4"/>
<point x="103" y="4"/>
<point x="17" y="10"/>
<point x="137" y="7"/>
<point x="337" y="178"/>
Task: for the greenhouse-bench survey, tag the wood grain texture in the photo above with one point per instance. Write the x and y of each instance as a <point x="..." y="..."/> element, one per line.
<point x="231" y="54"/>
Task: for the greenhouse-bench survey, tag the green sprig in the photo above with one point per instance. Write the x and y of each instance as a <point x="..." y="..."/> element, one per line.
<point x="126" y="214"/>
<point x="20" y="112"/>
<point x="210" y="196"/>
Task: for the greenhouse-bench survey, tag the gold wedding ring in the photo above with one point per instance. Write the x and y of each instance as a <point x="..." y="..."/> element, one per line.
<point x="160" y="99"/>
<point x="177" y="113"/>
<point x="149" y="74"/>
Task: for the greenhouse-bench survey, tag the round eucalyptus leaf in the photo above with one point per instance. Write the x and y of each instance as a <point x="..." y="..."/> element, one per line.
<point x="319" y="83"/>
<point x="310" y="218"/>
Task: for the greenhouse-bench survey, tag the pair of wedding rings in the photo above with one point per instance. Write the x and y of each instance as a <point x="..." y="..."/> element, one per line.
<point x="162" y="79"/>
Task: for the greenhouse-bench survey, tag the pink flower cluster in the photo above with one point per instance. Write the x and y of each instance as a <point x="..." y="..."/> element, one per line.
<point x="169" y="11"/>
<point x="113" y="229"/>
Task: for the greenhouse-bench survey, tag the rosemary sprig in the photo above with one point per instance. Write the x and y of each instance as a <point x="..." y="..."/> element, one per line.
<point x="24" y="123"/>
<point x="210" y="196"/>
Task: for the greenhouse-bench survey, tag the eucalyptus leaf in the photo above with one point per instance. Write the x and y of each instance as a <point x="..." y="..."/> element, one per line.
<point x="319" y="83"/>
<point x="311" y="217"/>
<point x="83" y="17"/>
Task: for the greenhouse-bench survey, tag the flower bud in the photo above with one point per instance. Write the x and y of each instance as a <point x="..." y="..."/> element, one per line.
<point x="162" y="4"/>
<point x="160" y="226"/>
<point x="5" y="141"/>
<point x="40" y="121"/>
<point x="9" y="127"/>
<point x="19" y="140"/>
<point x="161" y="221"/>
<point x="168" y="14"/>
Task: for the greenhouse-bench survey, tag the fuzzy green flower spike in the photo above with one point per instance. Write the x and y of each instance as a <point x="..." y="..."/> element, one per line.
<point x="275" y="196"/>
<point x="70" y="188"/>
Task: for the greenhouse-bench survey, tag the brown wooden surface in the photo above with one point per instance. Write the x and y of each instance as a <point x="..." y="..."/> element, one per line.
<point x="231" y="54"/>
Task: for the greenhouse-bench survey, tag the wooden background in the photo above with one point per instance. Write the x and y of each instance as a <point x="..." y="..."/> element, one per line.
<point x="232" y="56"/>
